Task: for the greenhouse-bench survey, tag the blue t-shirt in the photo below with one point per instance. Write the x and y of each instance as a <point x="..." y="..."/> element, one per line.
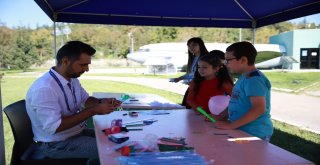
<point x="251" y="84"/>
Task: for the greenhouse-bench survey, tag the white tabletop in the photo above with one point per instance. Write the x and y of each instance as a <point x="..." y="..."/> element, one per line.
<point x="141" y="101"/>
<point x="224" y="149"/>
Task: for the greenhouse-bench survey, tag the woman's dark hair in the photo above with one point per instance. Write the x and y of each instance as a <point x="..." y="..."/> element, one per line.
<point x="222" y="74"/>
<point x="72" y="50"/>
<point x="203" y="51"/>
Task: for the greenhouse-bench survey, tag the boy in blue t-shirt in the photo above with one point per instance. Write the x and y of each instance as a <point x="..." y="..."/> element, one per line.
<point x="249" y="107"/>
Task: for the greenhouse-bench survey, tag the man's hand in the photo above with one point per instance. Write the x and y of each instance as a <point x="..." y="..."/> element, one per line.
<point x="104" y="108"/>
<point x="94" y="106"/>
<point x="111" y="101"/>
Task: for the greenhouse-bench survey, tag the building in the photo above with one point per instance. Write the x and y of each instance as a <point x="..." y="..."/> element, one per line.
<point x="303" y="45"/>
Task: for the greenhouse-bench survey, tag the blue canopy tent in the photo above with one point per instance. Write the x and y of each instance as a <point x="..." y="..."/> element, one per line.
<point x="188" y="13"/>
<point x="191" y="13"/>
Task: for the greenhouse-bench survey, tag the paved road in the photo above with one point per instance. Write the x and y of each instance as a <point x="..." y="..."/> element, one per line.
<point x="299" y="110"/>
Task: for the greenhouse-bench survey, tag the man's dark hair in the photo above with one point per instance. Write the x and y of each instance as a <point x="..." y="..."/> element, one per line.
<point x="72" y="50"/>
<point x="243" y="49"/>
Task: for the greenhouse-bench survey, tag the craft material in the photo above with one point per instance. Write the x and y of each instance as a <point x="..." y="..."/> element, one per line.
<point x="134" y="128"/>
<point x="126" y="123"/>
<point x="205" y="114"/>
<point x="118" y="138"/>
<point x="133" y="114"/>
<point x="114" y="130"/>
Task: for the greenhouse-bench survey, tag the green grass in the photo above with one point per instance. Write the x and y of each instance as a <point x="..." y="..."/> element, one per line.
<point x="300" y="142"/>
<point x="12" y="90"/>
<point x="292" y="80"/>
<point x="303" y="143"/>
<point x="13" y="71"/>
<point x="40" y="71"/>
<point x="286" y="80"/>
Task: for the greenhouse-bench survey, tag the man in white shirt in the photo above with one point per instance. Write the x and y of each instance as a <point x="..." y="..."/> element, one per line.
<point x="54" y="104"/>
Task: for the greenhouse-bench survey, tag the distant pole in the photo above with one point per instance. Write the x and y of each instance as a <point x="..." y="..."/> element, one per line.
<point x="61" y="35"/>
<point x="130" y="34"/>
<point x="55" y="18"/>
<point x="132" y="48"/>
<point x="240" y="34"/>
<point x="55" y="39"/>
<point x="2" y="148"/>
<point x="66" y="30"/>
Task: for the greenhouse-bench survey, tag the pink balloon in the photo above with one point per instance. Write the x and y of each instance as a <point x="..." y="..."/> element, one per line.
<point x="218" y="103"/>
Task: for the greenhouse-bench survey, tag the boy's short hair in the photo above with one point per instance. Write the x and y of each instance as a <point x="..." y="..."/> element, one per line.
<point x="72" y="50"/>
<point x="245" y="49"/>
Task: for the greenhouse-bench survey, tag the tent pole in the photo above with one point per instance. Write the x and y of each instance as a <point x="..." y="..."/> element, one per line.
<point x="254" y="26"/>
<point x="2" y="147"/>
<point x="253" y="35"/>
<point x="54" y="38"/>
<point x="55" y="17"/>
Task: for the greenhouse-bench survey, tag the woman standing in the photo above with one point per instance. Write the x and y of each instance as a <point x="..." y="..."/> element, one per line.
<point x="196" y="48"/>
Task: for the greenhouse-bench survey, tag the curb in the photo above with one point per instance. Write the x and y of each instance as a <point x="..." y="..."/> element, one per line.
<point x="298" y="90"/>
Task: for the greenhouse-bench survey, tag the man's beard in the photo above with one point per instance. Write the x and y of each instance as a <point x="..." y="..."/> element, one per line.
<point x="72" y="74"/>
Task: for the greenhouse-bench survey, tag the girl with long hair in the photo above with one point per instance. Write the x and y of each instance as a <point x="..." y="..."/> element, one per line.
<point x="211" y="79"/>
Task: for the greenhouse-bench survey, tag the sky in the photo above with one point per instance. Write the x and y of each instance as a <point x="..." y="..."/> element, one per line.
<point x="27" y="13"/>
<point x="14" y="13"/>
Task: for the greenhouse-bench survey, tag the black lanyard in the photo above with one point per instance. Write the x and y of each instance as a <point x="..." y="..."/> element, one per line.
<point x="64" y="93"/>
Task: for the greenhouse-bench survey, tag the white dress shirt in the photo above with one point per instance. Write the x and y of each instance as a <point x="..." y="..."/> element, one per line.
<point x="46" y="106"/>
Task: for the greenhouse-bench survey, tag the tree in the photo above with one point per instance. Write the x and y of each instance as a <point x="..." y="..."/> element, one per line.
<point x="164" y="34"/>
<point x="7" y="42"/>
<point x="24" y="54"/>
<point x="185" y="33"/>
<point x="113" y="41"/>
<point x="283" y="26"/>
<point x="263" y="34"/>
<point x="43" y="41"/>
<point x="6" y="36"/>
<point x="5" y="56"/>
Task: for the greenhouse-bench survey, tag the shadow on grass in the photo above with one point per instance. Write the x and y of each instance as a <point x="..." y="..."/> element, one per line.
<point x="304" y="148"/>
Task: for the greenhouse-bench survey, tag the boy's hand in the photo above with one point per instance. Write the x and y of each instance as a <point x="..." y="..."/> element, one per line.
<point x="224" y="125"/>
